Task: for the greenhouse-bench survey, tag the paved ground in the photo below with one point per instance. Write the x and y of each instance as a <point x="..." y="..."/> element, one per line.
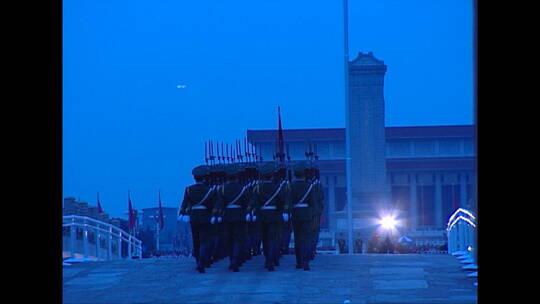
<point x="333" y="279"/>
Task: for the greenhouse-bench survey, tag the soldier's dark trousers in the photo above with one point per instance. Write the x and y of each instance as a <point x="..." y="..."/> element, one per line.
<point x="213" y="244"/>
<point x="302" y="241"/>
<point x="195" y="231"/>
<point x="270" y="235"/>
<point x="236" y="237"/>
<point x="201" y="233"/>
<point x="255" y="230"/>
<point x="286" y="237"/>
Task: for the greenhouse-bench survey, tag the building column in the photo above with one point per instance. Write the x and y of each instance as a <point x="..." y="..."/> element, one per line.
<point x="462" y="190"/>
<point x="413" y="213"/>
<point x="438" y="201"/>
<point x="331" y="200"/>
<point x="98" y="244"/>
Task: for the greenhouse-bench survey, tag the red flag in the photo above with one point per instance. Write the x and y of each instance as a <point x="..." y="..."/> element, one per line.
<point x="100" y="210"/>
<point x="131" y="213"/>
<point x="161" y="223"/>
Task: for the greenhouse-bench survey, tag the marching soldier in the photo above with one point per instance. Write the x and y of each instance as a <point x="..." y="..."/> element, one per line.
<point x="253" y="240"/>
<point x="269" y="203"/>
<point x="303" y="200"/>
<point x="235" y="201"/>
<point x="318" y="200"/>
<point x="216" y="229"/>
<point x="197" y="208"/>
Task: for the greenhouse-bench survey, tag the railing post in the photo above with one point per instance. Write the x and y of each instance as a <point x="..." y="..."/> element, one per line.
<point x="109" y="244"/>
<point x="120" y="245"/>
<point x="130" y="246"/>
<point x="85" y="238"/>
<point x="98" y="243"/>
<point x="73" y="232"/>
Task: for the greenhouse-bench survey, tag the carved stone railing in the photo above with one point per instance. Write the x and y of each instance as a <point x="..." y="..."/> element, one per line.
<point x="99" y="231"/>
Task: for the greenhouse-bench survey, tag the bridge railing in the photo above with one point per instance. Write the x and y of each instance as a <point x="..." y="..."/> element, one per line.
<point x="461" y="232"/>
<point x="101" y="231"/>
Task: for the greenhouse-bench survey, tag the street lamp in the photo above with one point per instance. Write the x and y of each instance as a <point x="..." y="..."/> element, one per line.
<point x="388" y="222"/>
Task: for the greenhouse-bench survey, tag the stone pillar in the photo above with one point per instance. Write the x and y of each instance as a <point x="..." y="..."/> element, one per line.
<point x="331" y="201"/>
<point x="462" y="190"/>
<point x="413" y="213"/>
<point x="438" y="202"/>
<point x="365" y="127"/>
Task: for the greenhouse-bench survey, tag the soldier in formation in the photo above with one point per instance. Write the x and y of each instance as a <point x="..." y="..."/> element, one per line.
<point x="240" y="202"/>
<point x="201" y="204"/>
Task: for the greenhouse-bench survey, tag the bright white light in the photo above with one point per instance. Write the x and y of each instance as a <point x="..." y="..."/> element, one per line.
<point x="388" y="222"/>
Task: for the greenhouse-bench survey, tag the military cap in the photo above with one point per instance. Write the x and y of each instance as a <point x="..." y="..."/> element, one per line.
<point x="231" y="169"/>
<point x="240" y="167"/>
<point x="201" y="170"/>
<point x="300" y="167"/>
<point x="217" y="168"/>
<point x="267" y="168"/>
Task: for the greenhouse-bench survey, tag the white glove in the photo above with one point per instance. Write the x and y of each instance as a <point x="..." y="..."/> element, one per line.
<point x="219" y="219"/>
<point x="180" y="217"/>
<point x="254" y="218"/>
<point x="213" y="220"/>
<point x="248" y="217"/>
<point x="285" y="217"/>
<point x="185" y="218"/>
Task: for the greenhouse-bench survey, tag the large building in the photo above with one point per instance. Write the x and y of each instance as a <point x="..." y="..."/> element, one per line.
<point x="422" y="172"/>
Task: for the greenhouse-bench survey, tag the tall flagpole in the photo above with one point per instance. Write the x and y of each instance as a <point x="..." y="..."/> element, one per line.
<point x="347" y="126"/>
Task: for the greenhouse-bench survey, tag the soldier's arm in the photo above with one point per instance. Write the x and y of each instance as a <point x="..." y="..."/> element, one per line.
<point x="185" y="203"/>
<point x="287" y="207"/>
<point x="218" y="201"/>
<point x="253" y="200"/>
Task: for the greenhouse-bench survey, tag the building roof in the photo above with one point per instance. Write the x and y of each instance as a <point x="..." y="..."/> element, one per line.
<point x="338" y="134"/>
<point x="407" y="164"/>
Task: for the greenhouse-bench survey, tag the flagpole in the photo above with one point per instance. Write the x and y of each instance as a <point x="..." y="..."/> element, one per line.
<point x="347" y="127"/>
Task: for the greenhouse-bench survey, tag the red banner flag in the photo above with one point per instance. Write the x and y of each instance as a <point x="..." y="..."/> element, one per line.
<point x="100" y="210"/>
<point x="131" y="213"/>
<point x="161" y="223"/>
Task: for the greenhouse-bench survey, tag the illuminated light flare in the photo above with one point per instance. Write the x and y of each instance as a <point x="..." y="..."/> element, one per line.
<point x="388" y="222"/>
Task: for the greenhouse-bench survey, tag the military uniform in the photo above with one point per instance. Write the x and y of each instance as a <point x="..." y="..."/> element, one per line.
<point x="198" y="207"/>
<point x="235" y="202"/>
<point x="318" y="200"/>
<point x="216" y="229"/>
<point x="269" y="203"/>
<point x="304" y="201"/>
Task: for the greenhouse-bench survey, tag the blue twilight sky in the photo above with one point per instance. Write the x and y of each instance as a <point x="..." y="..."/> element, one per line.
<point x="147" y="82"/>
